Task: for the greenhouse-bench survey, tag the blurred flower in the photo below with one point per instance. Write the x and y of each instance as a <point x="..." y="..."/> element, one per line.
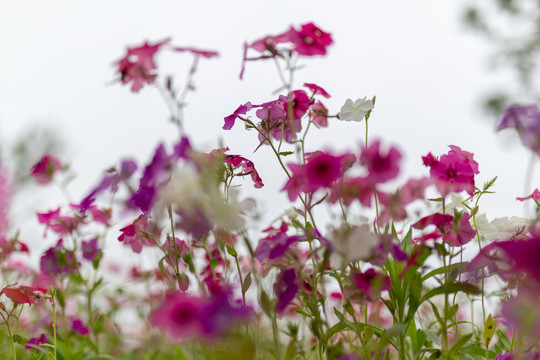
<point x="57" y="260"/>
<point x="24" y="294"/>
<point x="526" y="120"/>
<point x="33" y="343"/>
<point x="319" y="114"/>
<point x="44" y="170"/>
<point x="78" y="326"/>
<point x="535" y="195"/>
<point x="454" y="230"/>
<point x="142" y="231"/>
<point x="241" y="110"/>
<point x="317" y="90"/>
<point x="286" y="287"/>
<point x="310" y="40"/>
<point x="381" y="166"/>
<point x="138" y="66"/>
<point x="352" y="244"/>
<point x="453" y="172"/>
<point x="370" y="284"/>
<point x="355" y="111"/>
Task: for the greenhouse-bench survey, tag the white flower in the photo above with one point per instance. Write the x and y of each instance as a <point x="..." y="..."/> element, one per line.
<point x="502" y="228"/>
<point x="355" y="111"/>
<point x="355" y="243"/>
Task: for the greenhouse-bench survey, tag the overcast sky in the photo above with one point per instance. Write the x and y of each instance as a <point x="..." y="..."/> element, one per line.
<point x="428" y="74"/>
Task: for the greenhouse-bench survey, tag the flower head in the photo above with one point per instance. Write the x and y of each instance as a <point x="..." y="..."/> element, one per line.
<point x="44" y="170"/>
<point x="355" y="111"/>
<point x="526" y="120"/>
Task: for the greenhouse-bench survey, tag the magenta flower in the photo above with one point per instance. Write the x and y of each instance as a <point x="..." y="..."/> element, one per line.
<point x="299" y="103"/>
<point x="370" y="284"/>
<point x="57" y="260"/>
<point x="241" y="110"/>
<point x="247" y="166"/>
<point x="320" y="171"/>
<point x="60" y="224"/>
<point x="33" y="343"/>
<point x="24" y="294"/>
<point x="276" y="243"/>
<point x="285" y="288"/>
<point x="526" y="120"/>
<point x="183" y="316"/>
<point x="204" y="53"/>
<point x="381" y="166"/>
<point x="354" y="188"/>
<point x="535" y="195"/>
<point x="310" y="40"/>
<point x="455" y="231"/>
<point x="90" y="249"/>
<point x="78" y="326"/>
<point x="44" y="170"/>
<point x="142" y="232"/>
<point x="453" y="172"/>
<point x="138" y="66"/>
<point x="317" y="90"/>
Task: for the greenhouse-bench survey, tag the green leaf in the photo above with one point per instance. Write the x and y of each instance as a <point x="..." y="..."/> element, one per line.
<point x="18" y="339"/>
<point x="489" y="330"/>
<point x="213" y="263"/>
<point x="247" y="283"/>
<point x="451" y="288"/>
<point x="432" y="335"/>
<point x="459" y="344"/>
<point x="286" y="153"/>
<point x="232" y="251"/>
<point x="443" y="269"/>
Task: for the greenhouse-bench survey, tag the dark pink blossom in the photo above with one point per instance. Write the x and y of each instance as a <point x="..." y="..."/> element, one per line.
<point x="44" y="170"/>
<point x="286" y="287"/>
<point x="138" y="66"/>
<point x="297" y="105"/>
<point x="354" y="188"/>
<point x="317" y="90"/>
<point x="453" y="172"/>
<point x="241" y="110"/>
<point x="204" y="53"/>
<point x="381" y="166"/>
<point x="535" y="195"/>
<point x="78" y="326"/>
<point x="247" y="166"/>
<point x="370" y="284"/>
<point x="33" y="343"/>
<point x="60" y="224"/>
<point x="455" y="231"/>
<point x="57" y="261"/>
<point x="24" y="294"/>
<point x="184" y="316"/>
<point x="142" y="232"/>
<point x="276" y="243"/>
<point x="310" y="40"/>
<point x="90" y="249"/>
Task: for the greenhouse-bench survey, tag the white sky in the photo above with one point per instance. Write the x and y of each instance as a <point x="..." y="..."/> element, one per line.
<point x="428" y="76"/>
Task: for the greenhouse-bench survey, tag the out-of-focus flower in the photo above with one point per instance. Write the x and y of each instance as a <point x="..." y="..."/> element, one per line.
<point x="44" y="170"/>
<point x="317" y="90"/>
<point x="526" y="120"/>
<point x="355" y="111"/>
<point x="535" y="195"/>
<point x="285" y="288"/>
<point x="57" y="260"/>
<point x="503" y="228"/>
<point x="138" y="66"/>
<point x="60" y="224"/>
<point x="24" y="294"/>
<point x="319" y="114"/>
<point x="381" y="166"/>
<point x="141" y="232"/>
<point x="454" y="230"/>
<point x="33" y="343"/>
<point x="78" y="326"/>
<point x="90" y="249"/>
<point x="453" y="172"/>
<point x="241" y="110"/>
<point x="310" y="40"/>
<point x="184" y="316"/>
<point x="276" y="243"/>
<point x="352" y="244"/>
<point x="370" y="284"/>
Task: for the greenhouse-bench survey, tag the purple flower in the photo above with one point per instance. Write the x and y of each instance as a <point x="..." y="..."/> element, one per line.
<point x="285" y="288"/>
<point x="526" y="120"/>
<point x="90" y="249"/>
<point x="34" y="342"/>
<point x="58" y="261"/>
<point x="78" y="326"/>
<point x="275" y="244"/>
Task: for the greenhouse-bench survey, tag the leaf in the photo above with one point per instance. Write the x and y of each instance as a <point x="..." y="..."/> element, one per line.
<point x="247" y="283"/>
<point x="459" y="344"/>
<point x="489" y="330"/>
<point x="451" y="288"/>
<point x="443" y="269"/>
<point x="18" y="339"/>
<point x="286" y="153"/>
<point x="232" y="251"/>
<point x="432" y="335"/>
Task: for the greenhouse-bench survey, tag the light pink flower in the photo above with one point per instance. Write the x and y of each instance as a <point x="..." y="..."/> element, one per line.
<point x="44" y="170"/>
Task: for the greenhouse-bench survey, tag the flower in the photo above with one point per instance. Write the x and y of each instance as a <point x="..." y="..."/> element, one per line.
<point x="286" y="287"/>
<point x="381" y="166"/>
<point x="454" y="230"/>
<point x="44" y="170"/>
<point x="526" y="120"/>
<point x="241" y="110"/>
<point x="138" y="65"/>
<point x="33" y="343"/>
<point x="24" y="294"/>
<point x="310" y="40"/>
<point x="370" y="284"/>
<point x="317" y="90"/>
<point x="57" y="260"/>
<point x="355" y="111"/>
<point x="535" y="196"/>
<point x="352" y="244"/>
<point x="453" y="172"/>
<point x="319" y="114"/>
<point x="141" y="232"/>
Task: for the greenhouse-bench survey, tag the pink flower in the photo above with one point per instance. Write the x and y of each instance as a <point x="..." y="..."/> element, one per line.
<point x="60" y="224"/>
<point x="204" y="53"/>
<point x="241" y="110"/>
<point x="24" y="294"/>
<point x="138" y="65"/>
<point x="44" y="170"/>
<point x="285" y="288"/>
<point x="319" y="114"/>
<point x="355" y="188"/>
<point x="310" y="40"/>
<point x="247" y="166"/>
<point x="276" y="243"/>
<point x="183" y="316"/>
<point x="455" y="231"/>
<point x="317" y="90"/>
<point x="453" y="172"/>
<point x="370" y="284"/>
<point x="320" y="171"/>
<point x="381" y="166"/>
<point x="5" y="195"/>
<point x="141" y="232"/>
<point x="535" y="195"/>
<point x="299" y="103"/>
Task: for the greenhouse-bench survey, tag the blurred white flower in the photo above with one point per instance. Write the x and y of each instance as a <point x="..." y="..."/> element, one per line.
<point x="356" y="243"/>
<point x="502" y="228"/>
<point x="355" y="111"/>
